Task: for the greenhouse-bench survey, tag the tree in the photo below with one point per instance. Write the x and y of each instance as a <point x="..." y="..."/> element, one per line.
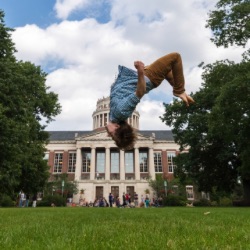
<point x="157" y="185"/>
<point x="25" y="101"/>
<point x="215" y="128"/>
<point x="55" y="186"/>
<point x="230" y="23"/>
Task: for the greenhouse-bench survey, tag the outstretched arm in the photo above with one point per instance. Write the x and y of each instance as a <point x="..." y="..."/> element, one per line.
<point x="141" y="84"/>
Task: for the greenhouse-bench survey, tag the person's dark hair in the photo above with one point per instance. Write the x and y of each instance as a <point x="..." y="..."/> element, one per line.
<point x="125" y="136"/>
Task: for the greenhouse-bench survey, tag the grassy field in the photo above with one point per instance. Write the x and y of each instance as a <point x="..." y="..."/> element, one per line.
<point x="114" y="228"/>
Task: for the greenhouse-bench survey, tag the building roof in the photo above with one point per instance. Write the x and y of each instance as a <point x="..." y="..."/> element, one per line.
<point x="70" y="135"/>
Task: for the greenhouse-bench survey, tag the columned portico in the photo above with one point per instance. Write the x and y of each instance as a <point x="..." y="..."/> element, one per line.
<point x="92" y="168"/>
<point x="151" y="163"/>
<point x="78" y="170"/>
<point x="107" y="165"/>
<point x="122" y="167"/>
<point x="137" y="167"/>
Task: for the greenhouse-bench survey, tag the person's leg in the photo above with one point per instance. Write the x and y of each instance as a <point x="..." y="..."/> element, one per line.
<point x="167" y="67"/>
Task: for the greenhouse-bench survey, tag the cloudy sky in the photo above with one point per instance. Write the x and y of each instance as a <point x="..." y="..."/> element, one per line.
<point x="80" y="43"/>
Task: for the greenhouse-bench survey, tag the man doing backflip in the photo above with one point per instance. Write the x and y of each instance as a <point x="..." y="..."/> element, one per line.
<point x="130" y="86"/>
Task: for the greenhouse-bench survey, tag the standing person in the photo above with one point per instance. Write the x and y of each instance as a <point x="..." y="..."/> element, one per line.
<point x="124" y="200"/>
<point x="34" y="199"/>
<point x="127" y="199"/>
<point x="111" y="199"/>
<point x="117" y="202"/>
<point x="130" y="86"/>
<point x="21" y="198"/>
<point x="147" y="202"/>
<point x="136" y="199"/>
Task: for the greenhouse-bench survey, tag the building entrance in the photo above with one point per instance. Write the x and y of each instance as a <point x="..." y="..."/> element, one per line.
<point x="115" y="191"/>
<point x="99" y="192"/>
<point x="131" y="190"/>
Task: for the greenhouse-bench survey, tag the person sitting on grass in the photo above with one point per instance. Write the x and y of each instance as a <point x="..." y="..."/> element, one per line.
<point x="130" y="86"/>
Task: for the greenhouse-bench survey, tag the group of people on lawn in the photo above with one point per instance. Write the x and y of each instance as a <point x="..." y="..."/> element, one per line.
<point x="125" y="202"/>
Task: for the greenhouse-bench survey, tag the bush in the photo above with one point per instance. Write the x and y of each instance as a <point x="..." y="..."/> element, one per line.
<point x="173" y="200"/>
<point x="6" y="201"/>
<point x="202" y="203"/>
<point x="57" y="200"/>
<point x="214" y="203"/>
<point x="226" y="202"/>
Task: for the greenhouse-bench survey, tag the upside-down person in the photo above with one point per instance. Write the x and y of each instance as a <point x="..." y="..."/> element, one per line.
<point x="130" y="86"/>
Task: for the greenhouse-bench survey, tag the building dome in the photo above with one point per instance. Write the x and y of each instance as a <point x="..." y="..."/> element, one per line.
<point x="101" y="115"/>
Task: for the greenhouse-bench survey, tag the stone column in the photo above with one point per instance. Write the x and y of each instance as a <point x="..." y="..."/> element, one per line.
<point x="78" y="170"/>
<point x="92" y="168"/>
<point x="137" y="165"/>
<point x="122" y="167"/>
<point x="151" y="163"/>
<point x="107" y="163"/>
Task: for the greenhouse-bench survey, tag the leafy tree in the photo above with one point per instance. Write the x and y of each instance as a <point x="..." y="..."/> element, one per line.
<point x="157" y="185"/>
<point x="230" y="23"/>
<point x="25" y="101"/>
<point x="216" y="129"/>
<point x="55" y="186"/>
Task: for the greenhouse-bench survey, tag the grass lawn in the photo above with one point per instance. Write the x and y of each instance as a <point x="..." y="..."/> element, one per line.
<point x="124" y="228"/>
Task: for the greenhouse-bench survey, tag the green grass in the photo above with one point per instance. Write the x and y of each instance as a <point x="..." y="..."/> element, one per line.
<point x="113" y="228"/>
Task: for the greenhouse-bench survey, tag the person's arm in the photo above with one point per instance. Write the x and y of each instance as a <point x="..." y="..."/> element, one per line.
<point x="141" y="84"/>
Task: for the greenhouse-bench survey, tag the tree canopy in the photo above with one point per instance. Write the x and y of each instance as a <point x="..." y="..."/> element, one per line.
<point x="215" y="130"/>
<point x="25" y="101"/>
<point x="230" y="22"/>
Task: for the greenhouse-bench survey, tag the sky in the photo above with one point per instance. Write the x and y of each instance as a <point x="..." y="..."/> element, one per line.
<point x="80" y="43"/>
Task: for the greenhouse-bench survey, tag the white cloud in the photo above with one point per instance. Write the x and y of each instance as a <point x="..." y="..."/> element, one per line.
<point x="64" y="8"/>
<point x="151" y="110"/>
<point x="82" y="56"/>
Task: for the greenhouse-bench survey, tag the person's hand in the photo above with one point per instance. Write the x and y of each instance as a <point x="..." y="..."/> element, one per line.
<point x="185" y="98"/>
<point x="139" y="66"/>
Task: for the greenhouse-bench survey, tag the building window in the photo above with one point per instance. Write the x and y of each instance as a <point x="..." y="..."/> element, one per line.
<point x="72" y="162"/>
<point x="58" y="161"/>
<point x="158" y="162"/>
<point x="115" y="162"/>
<point x="190" y="192"/>
<point x="86" y="162"/>
<point x="171" y="165"/>
<point x="100" y="162"/>
<point x="129" y="162"/>
<point x="105" y="119"/>
<point x="143" y="161"/>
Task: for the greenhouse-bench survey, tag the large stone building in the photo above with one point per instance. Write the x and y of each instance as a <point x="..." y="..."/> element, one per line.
<point x="93" y="160"/>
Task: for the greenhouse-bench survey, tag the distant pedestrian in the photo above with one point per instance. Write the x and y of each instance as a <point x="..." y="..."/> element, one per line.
<point x="136" y="199"/>
<point x="124" y="200"/>
<point x="147" y="202"/>
<point x="127" y="199"/>
<point x="21" y="198"/>
<point x="111" y="200"/>
<point x="34" y="199"/>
